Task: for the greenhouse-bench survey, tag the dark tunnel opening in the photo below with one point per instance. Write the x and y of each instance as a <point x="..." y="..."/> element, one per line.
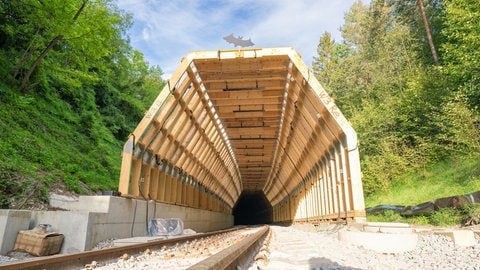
<point x="252" y="208"/>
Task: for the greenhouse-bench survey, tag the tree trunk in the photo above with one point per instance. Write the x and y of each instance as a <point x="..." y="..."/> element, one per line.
<point x="427" y="30"/>
<point x="26" y="54"/>
<point x="39" y="59"/>
<point x="26" y="78"/>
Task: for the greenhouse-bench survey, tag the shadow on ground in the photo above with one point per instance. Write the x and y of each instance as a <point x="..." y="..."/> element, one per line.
<point x="317" y="263"/>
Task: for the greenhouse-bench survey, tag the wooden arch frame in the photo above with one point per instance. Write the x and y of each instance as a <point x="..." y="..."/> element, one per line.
<point x="230" y="121"/>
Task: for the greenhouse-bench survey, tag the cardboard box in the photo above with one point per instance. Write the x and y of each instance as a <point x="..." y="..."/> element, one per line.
<point x="38" y="244"/>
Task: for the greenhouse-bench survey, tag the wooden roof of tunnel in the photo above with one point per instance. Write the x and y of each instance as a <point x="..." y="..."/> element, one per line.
<point x="233" y="121"/>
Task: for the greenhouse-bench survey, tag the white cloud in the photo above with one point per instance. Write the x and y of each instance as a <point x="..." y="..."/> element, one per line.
<point x="165" y="31"/>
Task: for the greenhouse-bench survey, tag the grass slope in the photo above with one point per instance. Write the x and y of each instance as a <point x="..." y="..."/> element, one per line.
<point x="443" y="179"/>
<point x="43" y="142"/>
<point x="446" y="178"/>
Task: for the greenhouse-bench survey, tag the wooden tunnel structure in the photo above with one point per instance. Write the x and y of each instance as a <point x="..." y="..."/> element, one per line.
<point x="230" y="123"/>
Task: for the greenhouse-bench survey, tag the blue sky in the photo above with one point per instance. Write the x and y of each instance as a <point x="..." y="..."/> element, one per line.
<point x="165" y="31"/>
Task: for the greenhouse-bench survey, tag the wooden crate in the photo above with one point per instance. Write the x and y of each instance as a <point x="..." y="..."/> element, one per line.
<point x="38" y="244"/>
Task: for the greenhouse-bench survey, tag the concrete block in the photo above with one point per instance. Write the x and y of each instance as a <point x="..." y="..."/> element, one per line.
<point x="99" y="204"/>
<point x="388" y="224"/>
<point x="380" y="242"/>
<point x="387" y="229"/>
<point x="62" y="201"/>
<point x="381" y="227"/>
<point x="355" y="226"/>
<point x="395" y="230"/>
<point x="73" y="225"/>
<point x="11" y="222"/>
<point x="423" y="229"/>
<point x="463" y="238"/>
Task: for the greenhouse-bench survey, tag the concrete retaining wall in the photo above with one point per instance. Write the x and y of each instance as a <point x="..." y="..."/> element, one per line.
<point x="92" y="219"/>
<point x="12" y="221"/>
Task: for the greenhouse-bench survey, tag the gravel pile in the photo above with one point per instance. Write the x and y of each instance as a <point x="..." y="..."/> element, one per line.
<point x="323" y="250"/>
<point x="108" y="243"/>
<point x="15" y="256"/>
<point x="5" y="259"/>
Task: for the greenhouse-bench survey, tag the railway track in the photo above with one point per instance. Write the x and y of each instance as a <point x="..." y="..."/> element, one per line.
<point x="215" y="250"/>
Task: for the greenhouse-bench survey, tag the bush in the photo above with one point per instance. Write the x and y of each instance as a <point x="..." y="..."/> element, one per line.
<point x="471" y="215"/>
<point x="446" y="217"/>
<point x="10" y="184"/>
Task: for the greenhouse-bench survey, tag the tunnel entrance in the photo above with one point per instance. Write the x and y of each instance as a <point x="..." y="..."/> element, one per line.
<point x="234" y="128"/>
<point x="252" y="208"/>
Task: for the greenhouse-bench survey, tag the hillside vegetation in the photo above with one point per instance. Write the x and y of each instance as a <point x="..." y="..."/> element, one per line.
<point x="406" y="74"/>
<point x="72" y="90"/>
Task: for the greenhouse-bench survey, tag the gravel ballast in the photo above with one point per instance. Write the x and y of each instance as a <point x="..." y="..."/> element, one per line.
<point x="307" y="247"/>
<point x="294" y="248"/>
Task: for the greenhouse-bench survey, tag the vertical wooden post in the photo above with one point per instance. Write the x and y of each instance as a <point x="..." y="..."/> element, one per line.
<point x="154" y="172"/>
<point x="168" y="183"/>
<point x="162" y="175"/>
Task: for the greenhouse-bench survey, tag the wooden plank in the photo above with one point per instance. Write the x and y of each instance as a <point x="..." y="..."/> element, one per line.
<point x="125" y="171"/>
<point x="189" y="195"/>
<point x="168" y="185"/>
<point x="154" y="174"/>
<point x="196" y="198"/>
<point x="248" y="84"/>
<point x="184" y="191"/>
<point x="136" y="165"/>
<point x="202" y="200"/>
<point x="237" y="81"/>
<point x="253" y="152"/>
<point x="161" y="186"/>
<point x="179" y="191"/>
<point x="258" y="101"/>
<point x="174" y="188"/>
<point x="144" y="187"/>
<point x="234" y="72"/>
<point x="245" y="94"/>
<point x="261" y="131"/>
<point x="241" y="63"/>
<point x="246" y="114"/>
<point x="253" y="159"/>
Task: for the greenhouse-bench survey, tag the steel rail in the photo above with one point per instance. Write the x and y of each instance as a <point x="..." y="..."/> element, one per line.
<point x="80" y="259"/>
<point x="228" y="258"/>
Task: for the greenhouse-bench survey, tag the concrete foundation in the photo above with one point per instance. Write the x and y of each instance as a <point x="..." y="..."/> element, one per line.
<point x="382" y="237"/>
<point x="462" y="238"/>
<point x="12" y="221"/>
<point x="92" y="219"/>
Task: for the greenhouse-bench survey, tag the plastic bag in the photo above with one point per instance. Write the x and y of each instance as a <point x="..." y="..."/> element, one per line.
<point x="165" y="226"/>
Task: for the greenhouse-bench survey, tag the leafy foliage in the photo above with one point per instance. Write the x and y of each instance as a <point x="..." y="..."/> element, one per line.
<point x="72" y="91"/>
<point x="460" y="50"/>
<point x="471" y="215"/>
<point x="408" y="112"/>
<point x="442" y="217"/>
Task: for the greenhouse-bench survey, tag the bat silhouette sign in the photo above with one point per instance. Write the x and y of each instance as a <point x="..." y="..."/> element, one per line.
<point x="238" y="41"/>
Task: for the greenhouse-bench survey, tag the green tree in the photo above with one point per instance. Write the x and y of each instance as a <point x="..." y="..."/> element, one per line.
<point x="67" y="36"/>
<point x="428" y="32"/>
<point x="425" y="20"/>
<point x="459" y="127"/>
<point x="49" y="47"/>
<point x="84" y="89"/>
<point x="378" y="80"/>
<point x="329" y="68"/>
<point x="460" y="50"/>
